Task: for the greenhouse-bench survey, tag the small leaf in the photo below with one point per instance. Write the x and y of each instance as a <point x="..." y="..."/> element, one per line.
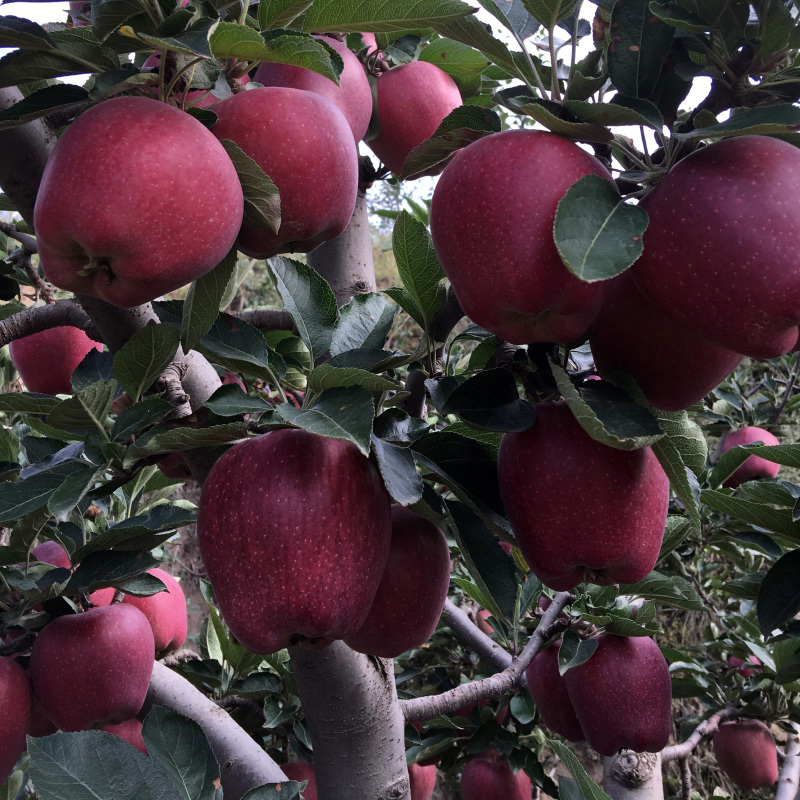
<point x="574" y="651"/>
<point x="145" y="356"/>
<point x="262" y="202"/>
<point x="139" y="416"/>
<point x="398" y="470"/>
<point x="623" y="110"/>
<point x="589" y="789"/>
<point x="85" y="410"/>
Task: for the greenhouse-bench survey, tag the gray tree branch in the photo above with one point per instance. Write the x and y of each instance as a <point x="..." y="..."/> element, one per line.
<point x="42" y="318"/>
<point x="707" y="728"/>
<point x="789" y="779"/>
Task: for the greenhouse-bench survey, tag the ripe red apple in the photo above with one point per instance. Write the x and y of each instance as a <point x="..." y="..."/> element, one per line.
<point x="581" y="510"/>
<point x="303" y="142"/>
<point x="488" y="777"/>
<point x="370" y="42"/>
<point x="745" y="751"/>
<point x="353" y="96"/>
<point x="137" y="199"/>
<point x="754" y="467"/>
<point x="46" y="360"/>
<point x="296" y="553"/>
<point x="745" y="672"/>
<point x="548" y="689"/>
<point x="93" y="669"/>
<point x="506" y="272"/>
<point x="720" y="252"/>
<point x="130" y="731"/>
<point x="174" y="466"/>
<point x="622" y="695"/>
<point x="15" y="714"/>
<point x="674" y="367"/>
<point x="52" y="553"/>
<point x="413" y="99"/>
<point x="102" y="597"/>
<point x="299" y="771"/>
<point x="41" y="724"/>
<point x="412" y="591"/>
<point x="483" y="625"/>
<point x="165" y="611"/>
<point x="422" y="780"/>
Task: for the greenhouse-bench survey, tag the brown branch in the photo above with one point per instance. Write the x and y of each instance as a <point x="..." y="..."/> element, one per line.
<point x="42" y="318"/>
<point x="27" y="241"/>
<point x="707" y="728"/>
<point x="495" y="686"/>
<point x="472" y="637"/>
<point x="268" y="319"/>
<point x="40" y="287"/>
<point x="169" y="382"/>
<point x="19" y="645"/>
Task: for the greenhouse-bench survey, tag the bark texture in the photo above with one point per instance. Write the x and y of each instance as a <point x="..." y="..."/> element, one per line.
<point x="789" y="778"/>
<point x="356" y="725"/>
<point x="633" y="776"/>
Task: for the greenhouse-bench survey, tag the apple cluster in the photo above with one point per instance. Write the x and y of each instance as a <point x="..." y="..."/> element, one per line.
<point x="116" y="639"/>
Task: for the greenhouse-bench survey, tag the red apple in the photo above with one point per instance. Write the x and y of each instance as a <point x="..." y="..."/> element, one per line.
<point x="422" y="780"/>
<point x="46" y="360"/>
<point x="174" y="466"/>
<point x="413" y="99"/>
<point x="622" y="695"/>
<point x="41" y="724"/>
<point x="581" y="510"/>
<point x="130" y="731"/>
<point x="754" y="467"/>
<point x="165" y="611"/>
<point x="102" y="597"/>
<point x="52" y="553"/>
<point x="720" y="252"/>
<point x="548" y="689"/>
<point x="412" y="591"/>
<point x="137" y="199"/>
<point x="15" y="714"/>
<point x="487" y="777"/>
<point x="93" y="669"/>
<point x="506" y="272"/>
<point x="303" y="142"/>
<point x="370" y="42"/>
<point x="674" y="367"/>
<point x="295" y="555"/>
<point x="483" y="625"/>
<point x="745" y="672"/>
<point x="745" y="751"/>
<point x="353" y="96"/>
<point x="298" y="771"/>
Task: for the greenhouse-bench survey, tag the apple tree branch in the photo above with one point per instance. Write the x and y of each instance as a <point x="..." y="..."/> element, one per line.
<point x="789" y="778"/>
<point x="707" y="728"/>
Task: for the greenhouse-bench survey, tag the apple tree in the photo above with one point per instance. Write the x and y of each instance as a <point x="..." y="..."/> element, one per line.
<point x="554" y="525"/>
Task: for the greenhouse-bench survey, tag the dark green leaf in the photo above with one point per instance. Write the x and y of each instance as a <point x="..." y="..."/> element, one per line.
<point x="779" y="595"/>
<point x="101" y="569"/>
<point x="72" y="491"/>
<point x="398" y="470"/>
<point x="378" y="16"/>
<point x="589" y="789"/>
<point x="41" y="103"/>
<point x="780" y="118"/>
<point x="86" y="410"/>
<point x="364" y="322"/>
<point x="262" y="202"/>
<point x="327" y="377"/>
<point x="280" y="13"/>
<point x="574" y="651"/>
<point x="621" y="111"/>
<point x="550" y="12"/>
<point x="139" y="416"/>
<point x="18" y="32"/>
<point x="230" y="401"/>
<point x="396" y="426"/>
<point x="185" y="439"/>
<point x="145" y="356"/>
<point x="668" y="590"/>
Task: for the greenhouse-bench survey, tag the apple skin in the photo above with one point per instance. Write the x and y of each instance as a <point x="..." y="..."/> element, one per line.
<point x="16" y="703"/>
<point x="102" y="597"/>
<point x="93" y="669"/>
<point x="412" y="591"/>
<point x="506" y="272"/>
<point x="297" y="556"/>
<point x="353" y="95"/>
<point x="52" y="553"/>
<point x="413" y="99"/>
<point x="46" y="360"/>
<point x="166" y="613"/>
<point x="622" y="695"/>
<point x="163" y="211"/>
<point x="303" y="142"/>
<point x="130" y="731"/>
<point x="732" y="279"/>
<point x="580" y="510"/>
<point x="483" y="625"/>
<point x="485" y="778"/>
<point x="548" y="689"/>
<point x="422" y="780"/>
<point x="754" y="467"/>
<point x="745" y="751"/>
<point x="299" y="771"/>
<point x="673" y="367"/>
<point x="745" y="672"/>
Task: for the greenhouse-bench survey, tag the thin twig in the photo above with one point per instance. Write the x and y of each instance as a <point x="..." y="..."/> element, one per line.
<point x="268" y="319"/>
<point x="707" y="728"/>
<point x="788" y="392"/>
<point x="27" y="241"/>
<point x="686" y="779"/>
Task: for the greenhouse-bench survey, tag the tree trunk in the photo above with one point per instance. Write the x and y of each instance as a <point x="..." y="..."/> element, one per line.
<point x="633" y="776"/>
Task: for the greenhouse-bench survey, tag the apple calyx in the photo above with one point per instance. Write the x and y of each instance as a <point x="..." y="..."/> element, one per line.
<point x="98" y="264"/>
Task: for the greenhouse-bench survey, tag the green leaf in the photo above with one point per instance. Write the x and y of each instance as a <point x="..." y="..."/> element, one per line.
<point x="398" y="471"/>
<point x="380" y="17"/>
<point x="262" y="202"/>
<point x="687" y="438"/>
<point x="85" y="410"/>
<point x="608" y="415"/>
<point x="779" y="118"/>
<point x="145" y="356"/>
<point x="72" y="491"/>
<point x="746" y="586"/>
<point x="460" y="61"/>
<point x="230" y="401"/>
<point x="139" y="416"/>
<point x="574" y="651"/>
<point x="668" y="590"/>
<point x="597" y="234"/>
<point x="676" y="531"/>
<point x="549" y="114"/>
<point x="461" y="127"/>
<point x="640" y="43"/>
<point x="338" y="413"/>
<point x="28" y="403"/>
<point x="9" y="446"/>
<point x="327" y="377"/>
<point x="779" y="594"/>
<point x="181" y="750"/>
<point x="363" y="322"/>
<point x="182" y="439"/>
<point x="92" y="764"/>
<point x="308" y="298"/>
<point x="280" y="13"/>
<point x="204" y="301"/>
<point x="41" y="103"/>
<point x="419" y="269"/>
<point x="759" y="514"/>
<point x="101" y="569"/>
<point x="194" y="41"/>
<point x="588" y="787"/>
<point x="678" y="17"/>
<point x="550" y="12"/>
<point x="18" y="32"/>
<point x="621" y="111"/>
